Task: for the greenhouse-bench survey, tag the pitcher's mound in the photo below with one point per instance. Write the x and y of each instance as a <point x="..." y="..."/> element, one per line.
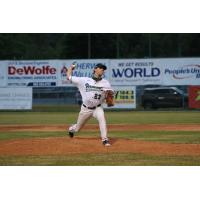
<point x="79" y="145"/>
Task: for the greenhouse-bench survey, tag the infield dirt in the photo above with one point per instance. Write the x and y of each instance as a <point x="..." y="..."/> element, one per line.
<point x="78" y="145"/>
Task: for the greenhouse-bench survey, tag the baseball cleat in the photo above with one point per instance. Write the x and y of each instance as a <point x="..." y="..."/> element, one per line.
<point x="71" y="134"/>
<point x="106" y="143"/>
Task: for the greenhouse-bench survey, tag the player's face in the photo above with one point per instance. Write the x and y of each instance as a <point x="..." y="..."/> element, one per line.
<point x="99" y="71"/>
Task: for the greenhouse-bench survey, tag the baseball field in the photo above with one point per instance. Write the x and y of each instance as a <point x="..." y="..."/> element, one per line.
<point x="138" y="138"/>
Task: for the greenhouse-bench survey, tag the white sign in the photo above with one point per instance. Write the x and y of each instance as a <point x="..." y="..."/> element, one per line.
<point x="3" y="76"/>
<point x="31" y="73"/>
<point x="135" y="72"/>
<point x="183" y="71"/>
<point x="125" y="97"/>
<point x="177" y="71"/>
<point x="15" y="98"/>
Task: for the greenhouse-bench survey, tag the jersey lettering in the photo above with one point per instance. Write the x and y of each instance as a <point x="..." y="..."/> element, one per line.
<point x="90" y="88"/>
<point x="97" y="96"/>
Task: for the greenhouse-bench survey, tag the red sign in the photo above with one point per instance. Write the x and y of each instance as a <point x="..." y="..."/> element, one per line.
<point x="194" y="96"/>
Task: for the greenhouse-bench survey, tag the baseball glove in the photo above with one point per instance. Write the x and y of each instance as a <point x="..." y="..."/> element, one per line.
<point x="110" y="98"/>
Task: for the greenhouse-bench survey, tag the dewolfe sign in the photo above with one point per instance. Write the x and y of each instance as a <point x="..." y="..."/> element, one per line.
<point x="32" y="75"/>
<point x="26" y="70"/>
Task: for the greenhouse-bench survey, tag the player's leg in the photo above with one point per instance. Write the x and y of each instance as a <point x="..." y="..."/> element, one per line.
<point x="99" y="115"/>
<point x="84" y="115"/>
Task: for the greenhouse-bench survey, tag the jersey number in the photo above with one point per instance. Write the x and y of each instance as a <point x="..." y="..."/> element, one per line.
<point x="97" y="96"/>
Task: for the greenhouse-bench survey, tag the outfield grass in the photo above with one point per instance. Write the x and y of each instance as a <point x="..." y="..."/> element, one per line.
<point x="110" y="159"/>
<point x="128" y="117"/>
<point x="56" y="108"/>
<point x="179" y="137"/>
<point x="186" y="137"/>
<point x="29" y="134"/>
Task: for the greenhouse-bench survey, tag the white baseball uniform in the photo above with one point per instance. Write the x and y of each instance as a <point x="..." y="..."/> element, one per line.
<point x="93" y="96"/>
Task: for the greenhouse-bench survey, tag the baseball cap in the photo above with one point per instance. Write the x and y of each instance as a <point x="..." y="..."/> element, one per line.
<point x="100" y="65"/>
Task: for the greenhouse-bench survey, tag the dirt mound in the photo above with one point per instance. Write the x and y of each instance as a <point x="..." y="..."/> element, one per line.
<point x="77" y="145"/>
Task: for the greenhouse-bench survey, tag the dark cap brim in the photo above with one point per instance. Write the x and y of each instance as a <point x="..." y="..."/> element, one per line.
<point x="101" y="66"/>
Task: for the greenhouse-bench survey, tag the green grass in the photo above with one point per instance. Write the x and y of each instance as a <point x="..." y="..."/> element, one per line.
<point x="29" y="134"/>
<point x="128" y="117"/>
<point x="111" y="159"/>
<point x="153" y="117"/>
<point x="185" y="137"/>
<point x="37" y="118"/>
<point x="56" y="108"/>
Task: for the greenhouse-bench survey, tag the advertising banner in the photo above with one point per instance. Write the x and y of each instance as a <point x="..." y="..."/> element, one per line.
<point x="125" y="97"/>
<point x="84" y="68"/>
<point x="194" y="97"/>
<point x="120" y="72"/>
<point x="47" y="73"/>
<point x="181" y="71"/>
<point x="3" y="76"/>
<point x="173" y="71"/>
<point x="15" y="98"/>
<point x="135" y="72"/>
<point x="31" y="73"/>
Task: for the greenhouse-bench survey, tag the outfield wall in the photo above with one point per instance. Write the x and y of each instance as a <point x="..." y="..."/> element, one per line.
<point x="127" y="76"/>
<point x="121" y="72"/>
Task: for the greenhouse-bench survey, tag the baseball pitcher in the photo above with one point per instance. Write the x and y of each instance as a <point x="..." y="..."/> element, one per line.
<point x="94" y="92"/>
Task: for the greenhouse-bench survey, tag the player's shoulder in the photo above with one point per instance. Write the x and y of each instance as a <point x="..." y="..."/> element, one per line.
<point x="87" y="79"/>
<point x="81" y="78"/>
<point x="105" y="81"/>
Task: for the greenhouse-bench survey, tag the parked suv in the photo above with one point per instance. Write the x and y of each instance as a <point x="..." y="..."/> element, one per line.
<point x="163" y="97"/>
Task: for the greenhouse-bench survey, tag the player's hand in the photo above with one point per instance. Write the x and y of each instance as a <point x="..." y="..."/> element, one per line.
<point x="73" y="65"/>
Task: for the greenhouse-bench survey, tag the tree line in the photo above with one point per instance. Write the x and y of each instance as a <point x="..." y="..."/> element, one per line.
<point x="26" y="46"/>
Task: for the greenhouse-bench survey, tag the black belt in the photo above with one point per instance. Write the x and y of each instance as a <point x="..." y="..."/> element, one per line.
<point x="92" y="108"/>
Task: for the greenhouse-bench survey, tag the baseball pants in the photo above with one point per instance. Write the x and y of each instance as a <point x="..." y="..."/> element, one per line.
<point x="85" y="114"/>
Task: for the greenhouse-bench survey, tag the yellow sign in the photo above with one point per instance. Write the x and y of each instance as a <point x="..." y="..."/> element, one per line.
<point x="124" y="96"/>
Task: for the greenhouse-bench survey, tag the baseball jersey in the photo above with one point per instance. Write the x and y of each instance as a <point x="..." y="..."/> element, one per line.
<point x="92" y="92"/>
